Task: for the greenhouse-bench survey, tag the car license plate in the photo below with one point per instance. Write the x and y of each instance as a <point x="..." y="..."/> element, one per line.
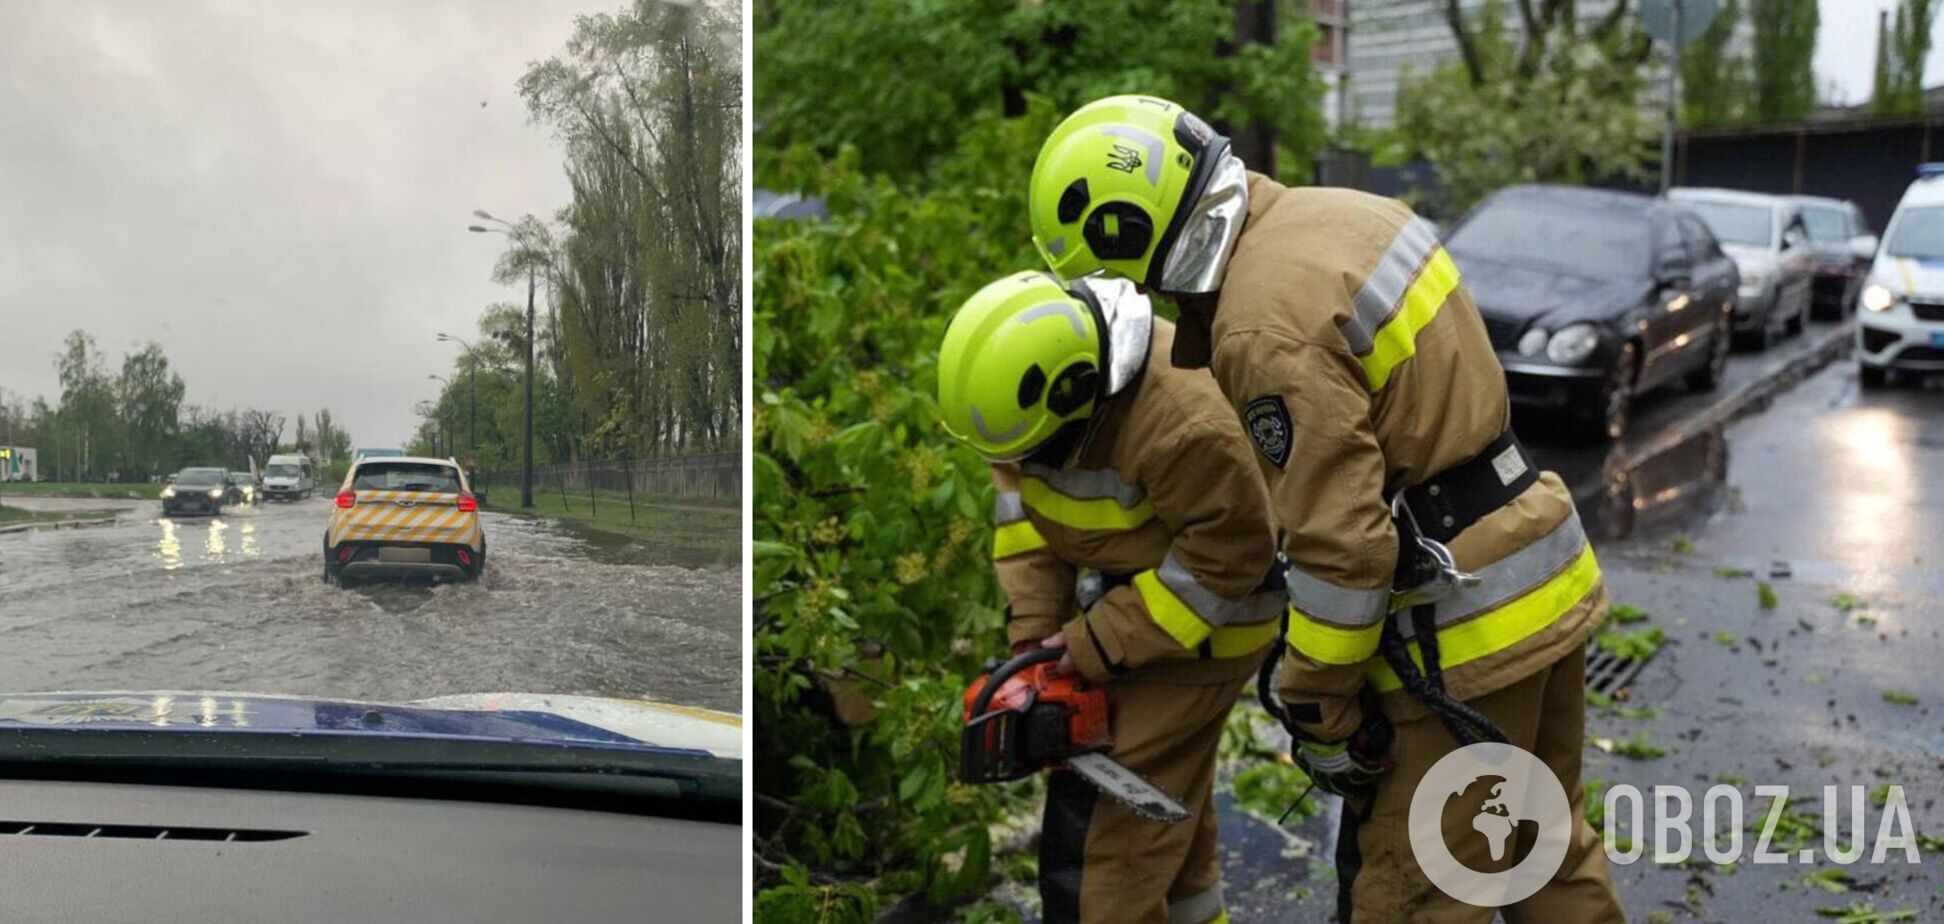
<point x="405" y="556"/>
<point x="1937" y="338"/>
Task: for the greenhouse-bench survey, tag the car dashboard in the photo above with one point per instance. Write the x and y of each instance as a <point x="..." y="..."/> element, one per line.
<point x="113" y="851"/>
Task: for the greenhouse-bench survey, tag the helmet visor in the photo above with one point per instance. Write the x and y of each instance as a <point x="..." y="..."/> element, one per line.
<point x="1198" y="257"/>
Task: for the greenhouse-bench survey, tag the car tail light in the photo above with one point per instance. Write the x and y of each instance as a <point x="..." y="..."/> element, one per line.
<point x="468" y="503"/>
<point x="344" y="554"/>
<point x="347" y="498"/>
<point x="465" y="558"/>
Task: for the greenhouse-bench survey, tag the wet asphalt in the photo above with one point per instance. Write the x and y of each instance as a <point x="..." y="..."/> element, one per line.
<point x="236" y="603"/>
<point x="1841" y="490"/>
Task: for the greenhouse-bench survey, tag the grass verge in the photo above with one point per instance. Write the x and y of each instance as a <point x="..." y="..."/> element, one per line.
<point x="78" y="489"/>
<point x="14" y="516"/>
<point x="701" y="524"/>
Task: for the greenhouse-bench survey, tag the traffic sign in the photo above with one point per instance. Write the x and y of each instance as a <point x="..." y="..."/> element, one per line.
<point x="1657" y="17"/>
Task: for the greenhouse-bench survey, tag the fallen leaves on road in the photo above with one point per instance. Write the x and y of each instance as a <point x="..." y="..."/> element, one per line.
<point x="1766" y="593"/>
<point x="1900" y="697"/>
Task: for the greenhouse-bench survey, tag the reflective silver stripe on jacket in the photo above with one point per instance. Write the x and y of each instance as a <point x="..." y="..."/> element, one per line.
<point x="1088" y="483"/>
<point x="1199" y="908"/>
<point x="1510" y="577"/>
<point x="1350" y="607"/>
<point x="1213" y="608"/>
<point x="1007" y="508"/>
<point x="1383" y="291"/>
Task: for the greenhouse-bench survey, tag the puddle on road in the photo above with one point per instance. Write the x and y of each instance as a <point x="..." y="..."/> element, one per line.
<point x="236" y="602"/>
<point x="1666" y="486"/>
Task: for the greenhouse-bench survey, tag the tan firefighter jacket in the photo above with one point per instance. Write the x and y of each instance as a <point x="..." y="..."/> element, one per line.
<point x="1164" y="498"/>
<point x="1347" y="342"/>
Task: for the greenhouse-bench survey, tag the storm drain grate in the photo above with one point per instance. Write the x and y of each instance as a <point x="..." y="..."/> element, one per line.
<point x="1607" y="673"/>
<point x="145" y="832"/>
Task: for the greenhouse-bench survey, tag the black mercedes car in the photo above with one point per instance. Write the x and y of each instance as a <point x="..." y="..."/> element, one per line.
<point x="1593" y="297"/>
<point x="197" y="490"/>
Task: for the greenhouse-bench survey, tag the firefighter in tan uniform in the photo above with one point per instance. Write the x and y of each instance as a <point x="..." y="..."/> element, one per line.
<point x="1132" y="527"/>
<point x="1440" y="588"/>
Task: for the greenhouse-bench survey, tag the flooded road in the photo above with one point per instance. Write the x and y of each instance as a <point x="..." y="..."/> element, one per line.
<point x="236" y="603"/>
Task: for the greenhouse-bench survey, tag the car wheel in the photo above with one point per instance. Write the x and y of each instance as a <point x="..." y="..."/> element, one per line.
<point x="1800" y="319"/>
<point x="1708" y="376"/>
<point x="1608" y="419"/>
<point x="1872" y="376"/>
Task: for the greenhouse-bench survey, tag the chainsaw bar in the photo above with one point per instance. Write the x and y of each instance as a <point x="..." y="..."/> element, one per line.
<point x="1121" y="783"/>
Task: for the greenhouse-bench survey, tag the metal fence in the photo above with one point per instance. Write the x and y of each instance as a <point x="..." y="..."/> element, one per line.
<point x="711" y="475"/>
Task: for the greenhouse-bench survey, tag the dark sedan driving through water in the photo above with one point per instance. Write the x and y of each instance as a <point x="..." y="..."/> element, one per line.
<point x="1593" y="297"/>
<point x="198" y="490"/>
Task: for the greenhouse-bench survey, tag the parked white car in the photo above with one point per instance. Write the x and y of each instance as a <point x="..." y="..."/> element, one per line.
<point x="1901" y="325"/>
<point x="1769" y="243"/>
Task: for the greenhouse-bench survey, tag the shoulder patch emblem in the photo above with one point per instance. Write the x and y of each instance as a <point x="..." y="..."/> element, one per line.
<point x="1267" y="420"/>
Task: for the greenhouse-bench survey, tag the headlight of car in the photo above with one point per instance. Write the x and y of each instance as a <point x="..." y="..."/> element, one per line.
<point x="1572" y="344"/>
<point x="215" y="492"/>
<point x="168" y="492"/>
<point x="1752" y="279"/>
<point x="1533" y="343"/>
<point x="1877" y="298"/>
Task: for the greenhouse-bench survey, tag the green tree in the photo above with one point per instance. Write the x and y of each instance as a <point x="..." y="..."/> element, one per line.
<point x="1902" y="50"/>
<point x="841" y="73"/>
<point x="149" y="399"/>
<point x="1784" y="78"/>
<point x="645" y="275"/>
<point x="86" y="437"/>
<point x="1714" y="83"/>
<point x="1560" y="105"/>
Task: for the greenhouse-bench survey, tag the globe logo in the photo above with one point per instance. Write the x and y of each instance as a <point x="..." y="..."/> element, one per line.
<point x="1500" y="807"/>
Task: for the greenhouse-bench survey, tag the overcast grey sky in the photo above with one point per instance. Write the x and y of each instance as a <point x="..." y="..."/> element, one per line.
<point x="1846" y="47"/>
<point x="277" y="193"/>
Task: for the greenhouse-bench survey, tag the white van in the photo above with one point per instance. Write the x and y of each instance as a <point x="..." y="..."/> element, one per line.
<point x="1901" y="325"/>
<point x="288" y="477"/>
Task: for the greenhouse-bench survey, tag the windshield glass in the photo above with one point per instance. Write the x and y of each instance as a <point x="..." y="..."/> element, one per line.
<point x="1606" y="244"/>
<point x="1736" y="223"/>
<point x="247" y="232"/>
<point x="405" y="476"/>
<point x="1826" y="225"/>
<point x="1919" y="234"/>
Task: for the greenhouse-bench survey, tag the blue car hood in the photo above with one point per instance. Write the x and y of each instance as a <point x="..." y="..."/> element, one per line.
<point x="528" y="717"/>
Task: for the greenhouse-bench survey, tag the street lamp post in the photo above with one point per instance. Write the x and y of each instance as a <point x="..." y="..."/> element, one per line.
<point x="472" y="395"/>
<point x="445" y="426"/>
<point x="526" y="463"/>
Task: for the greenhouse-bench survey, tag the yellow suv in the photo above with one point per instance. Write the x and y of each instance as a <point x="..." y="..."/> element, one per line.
<point x="403" y="516"/>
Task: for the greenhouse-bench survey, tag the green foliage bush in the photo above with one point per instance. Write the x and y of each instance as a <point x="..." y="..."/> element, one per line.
<point x="876" y="603"/>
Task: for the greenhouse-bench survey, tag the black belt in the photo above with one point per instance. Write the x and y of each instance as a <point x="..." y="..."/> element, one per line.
<point x="1445" y="504"/>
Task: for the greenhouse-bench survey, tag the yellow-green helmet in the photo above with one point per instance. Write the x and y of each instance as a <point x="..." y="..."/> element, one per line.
<point x="1021" y="359"/>
<point x="1108" y="187"/>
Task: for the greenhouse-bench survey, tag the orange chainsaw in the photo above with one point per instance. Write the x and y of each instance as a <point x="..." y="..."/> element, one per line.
<point x="1021" y="718"/>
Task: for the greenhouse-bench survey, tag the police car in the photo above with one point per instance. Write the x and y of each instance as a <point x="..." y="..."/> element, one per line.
<point x="1901" y="325"/>
<point x="404" y="516"/>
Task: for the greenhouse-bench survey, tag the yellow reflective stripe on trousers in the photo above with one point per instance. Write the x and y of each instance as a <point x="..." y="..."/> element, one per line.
<point x="1332" y="644"/>
<point x="1098" y="513"/>
<point x="1015" y="538"/>
<point x="1396" y="341"/>
<point x="1505" y="626"/>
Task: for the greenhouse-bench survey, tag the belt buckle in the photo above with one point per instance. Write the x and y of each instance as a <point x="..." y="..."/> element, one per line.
<point x="1446" y="576"/>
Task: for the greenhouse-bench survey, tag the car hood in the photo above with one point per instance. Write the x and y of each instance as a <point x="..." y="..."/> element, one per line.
<point x="1910" y="277"/>
<point x="527" y="717"/>
<point x="1527" y="291"/>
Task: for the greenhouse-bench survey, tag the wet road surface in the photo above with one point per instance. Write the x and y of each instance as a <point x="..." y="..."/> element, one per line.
<point x="1844" y="486"/>
<point x="236" y="603"/>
